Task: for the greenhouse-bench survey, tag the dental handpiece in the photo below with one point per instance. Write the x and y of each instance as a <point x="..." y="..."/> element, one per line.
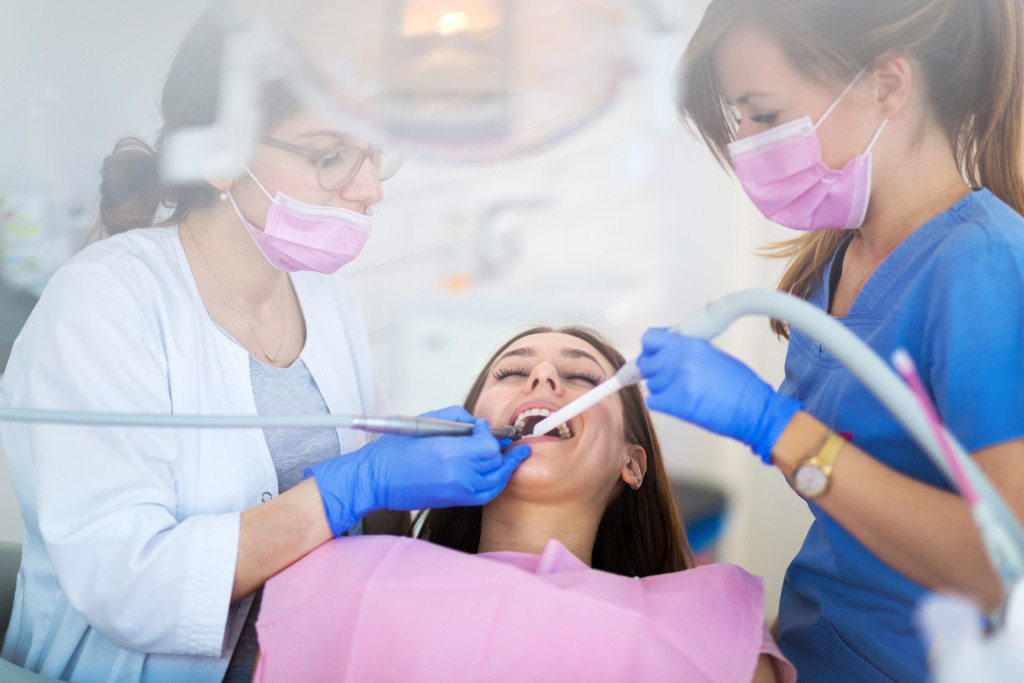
<point x="381" y="424"/>
<point x="424" y="426"/>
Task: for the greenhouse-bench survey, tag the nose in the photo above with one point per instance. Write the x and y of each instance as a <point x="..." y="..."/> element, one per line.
<point x="745" y="129"/>
<point x="365" y="187"/>
<point x="545" y="376"/>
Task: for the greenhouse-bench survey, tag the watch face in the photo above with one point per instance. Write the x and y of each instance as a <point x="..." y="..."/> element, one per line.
<point x="810" y="480"/>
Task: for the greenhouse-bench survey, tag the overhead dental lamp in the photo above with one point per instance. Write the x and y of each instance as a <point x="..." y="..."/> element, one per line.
<point x="449" y="79"/>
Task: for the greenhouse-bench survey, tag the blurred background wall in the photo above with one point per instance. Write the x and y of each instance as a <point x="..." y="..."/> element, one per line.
<point x="625" y="224"/>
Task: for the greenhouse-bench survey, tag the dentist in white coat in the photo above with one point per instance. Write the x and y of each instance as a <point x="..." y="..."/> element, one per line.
<point x="145" y="549"/>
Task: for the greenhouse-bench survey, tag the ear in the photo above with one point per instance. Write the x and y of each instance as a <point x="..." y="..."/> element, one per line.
<point x="634" y="467"/>
<point x="220" y="184"/>
<point x="892" y="78"/>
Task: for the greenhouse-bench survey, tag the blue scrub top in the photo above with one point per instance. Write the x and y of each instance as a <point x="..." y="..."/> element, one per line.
<point x="952" y="295"/>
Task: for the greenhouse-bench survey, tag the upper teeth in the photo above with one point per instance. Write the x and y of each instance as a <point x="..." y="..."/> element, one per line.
<point x="563" y="429"/>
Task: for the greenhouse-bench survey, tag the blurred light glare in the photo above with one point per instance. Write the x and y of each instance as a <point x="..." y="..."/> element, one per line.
<point x="450" y="16"/>
<point x="452" y="22"/>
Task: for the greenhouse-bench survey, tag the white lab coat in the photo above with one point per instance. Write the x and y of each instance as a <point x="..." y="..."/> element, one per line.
<point x="131" y="534"/>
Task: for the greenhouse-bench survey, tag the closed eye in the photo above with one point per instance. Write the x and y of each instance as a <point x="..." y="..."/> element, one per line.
<point x="587" y="377"/>
<point x="768" y="119"/>
<point x="502" y="373"/>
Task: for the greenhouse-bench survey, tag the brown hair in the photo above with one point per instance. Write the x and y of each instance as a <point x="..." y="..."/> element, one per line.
<point x="131" y="189"/>
<point x="971" y="59"/>
<point x="640" y="533"/>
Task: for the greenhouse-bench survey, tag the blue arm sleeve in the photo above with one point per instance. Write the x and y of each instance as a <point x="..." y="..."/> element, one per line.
<point x="977" y="332"/>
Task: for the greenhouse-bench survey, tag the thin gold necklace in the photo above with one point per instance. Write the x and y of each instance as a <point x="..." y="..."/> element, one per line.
<point x="227" y="297"/>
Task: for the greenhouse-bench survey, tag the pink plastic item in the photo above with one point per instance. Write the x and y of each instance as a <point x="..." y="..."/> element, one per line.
<point x="396" y="609"/>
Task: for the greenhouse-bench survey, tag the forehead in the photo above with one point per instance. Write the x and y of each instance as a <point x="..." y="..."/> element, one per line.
<point x="307" y="124"/>
<point x="748" y="60"/>
<point x="550" y="345"/>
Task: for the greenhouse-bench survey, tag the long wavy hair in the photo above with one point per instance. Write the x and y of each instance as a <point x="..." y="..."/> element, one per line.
<point x="640" y="533"/>
<point x="969" y="55"/>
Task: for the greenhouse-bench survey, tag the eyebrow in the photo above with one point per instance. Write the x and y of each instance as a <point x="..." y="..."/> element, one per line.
<point x="567" y="351"/>
<point x="325" y="133"/>
<point x="746" y="97"/>
<point x="750" y="95"/>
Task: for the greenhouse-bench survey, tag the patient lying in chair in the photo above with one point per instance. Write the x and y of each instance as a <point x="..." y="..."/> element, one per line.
<point x="577" y="570"/>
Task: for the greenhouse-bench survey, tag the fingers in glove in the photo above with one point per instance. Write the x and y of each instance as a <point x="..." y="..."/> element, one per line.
<point x="499" y="478"/>
<point x="455" y="413"/>
<point x="655" y="338"/>
<point x="489" y="457"/>
<point x="668" y="404"/>
<point x="661" y="369"/>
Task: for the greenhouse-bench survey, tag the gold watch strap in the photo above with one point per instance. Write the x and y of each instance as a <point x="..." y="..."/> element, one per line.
<point x="825" y="454"/>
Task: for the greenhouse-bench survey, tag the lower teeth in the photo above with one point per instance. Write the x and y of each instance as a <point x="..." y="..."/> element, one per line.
<point x="561" y="432"/>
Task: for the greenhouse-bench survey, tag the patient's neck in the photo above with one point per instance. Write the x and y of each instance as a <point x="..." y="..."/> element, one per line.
<point x="527" y="527"/>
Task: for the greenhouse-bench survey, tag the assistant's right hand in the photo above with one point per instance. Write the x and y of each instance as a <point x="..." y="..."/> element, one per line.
<point x="413" y="473"/>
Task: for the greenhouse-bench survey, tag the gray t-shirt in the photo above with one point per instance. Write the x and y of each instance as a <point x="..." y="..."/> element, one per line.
<point x="291" y="390"/>
<point x="279" y="391"/>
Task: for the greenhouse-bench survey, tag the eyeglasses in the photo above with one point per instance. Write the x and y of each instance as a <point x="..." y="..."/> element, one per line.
<point x="337" y="166"/>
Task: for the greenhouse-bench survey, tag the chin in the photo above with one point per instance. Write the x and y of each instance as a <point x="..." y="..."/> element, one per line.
<point x="534" y="476"/>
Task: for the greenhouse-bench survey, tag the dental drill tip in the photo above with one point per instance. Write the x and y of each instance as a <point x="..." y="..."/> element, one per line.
<point x="506" y="432"/>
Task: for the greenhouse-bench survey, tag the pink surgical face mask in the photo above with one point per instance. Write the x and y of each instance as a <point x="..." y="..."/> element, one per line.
<point x="782" y="172"/>
<point x="300" y="236"/>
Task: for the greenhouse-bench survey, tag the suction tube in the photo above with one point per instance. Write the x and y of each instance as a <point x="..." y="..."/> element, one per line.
<point x="381" y="424"/>
<point x="1002" y="534"/>
<point x="146" y="420"/>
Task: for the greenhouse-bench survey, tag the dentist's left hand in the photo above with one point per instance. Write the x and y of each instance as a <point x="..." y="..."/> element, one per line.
<point x="414" y="473"/>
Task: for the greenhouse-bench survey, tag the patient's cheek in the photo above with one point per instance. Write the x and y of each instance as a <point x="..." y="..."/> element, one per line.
<point x="487" y="408"/>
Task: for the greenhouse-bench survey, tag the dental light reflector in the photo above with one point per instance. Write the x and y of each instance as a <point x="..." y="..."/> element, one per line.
<point x="447" y="79"/>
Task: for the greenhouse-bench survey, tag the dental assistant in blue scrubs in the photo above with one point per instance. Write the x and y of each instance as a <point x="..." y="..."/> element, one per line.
<point x="891" y="131"/>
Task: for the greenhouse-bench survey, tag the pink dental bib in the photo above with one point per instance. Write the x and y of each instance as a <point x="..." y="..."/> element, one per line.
<point x="383" y="608"/>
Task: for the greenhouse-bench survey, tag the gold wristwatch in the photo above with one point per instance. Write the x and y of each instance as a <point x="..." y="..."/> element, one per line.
<point x="813" y="474"/>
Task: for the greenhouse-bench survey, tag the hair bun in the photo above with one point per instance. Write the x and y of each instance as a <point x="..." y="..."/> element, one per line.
<point x="130" y="189"/>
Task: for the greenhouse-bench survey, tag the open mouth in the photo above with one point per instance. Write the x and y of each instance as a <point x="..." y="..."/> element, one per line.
<point x="527" y="419"/>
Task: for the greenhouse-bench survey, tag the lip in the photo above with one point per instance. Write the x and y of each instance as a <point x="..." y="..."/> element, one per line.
<point x="547" y="405"/>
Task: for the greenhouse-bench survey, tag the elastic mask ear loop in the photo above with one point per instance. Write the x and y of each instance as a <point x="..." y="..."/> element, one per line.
<point x="837" y="101"/>
<point x="259" y="184"/>
<point x="249" y="227"/>
<point x="875" y="139"/>
<point x="236" y="206"/>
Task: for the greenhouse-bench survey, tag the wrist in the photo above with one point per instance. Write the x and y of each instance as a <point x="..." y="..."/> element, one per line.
<point x="776" y="417"/>
<point x="312" y="527"/>
<point x="344" y="482"/>
<point x="801" y="436"/>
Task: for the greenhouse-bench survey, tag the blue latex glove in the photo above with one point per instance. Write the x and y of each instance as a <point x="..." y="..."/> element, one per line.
<point x="413" y="473"/>
<point x="689" y="378"/>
